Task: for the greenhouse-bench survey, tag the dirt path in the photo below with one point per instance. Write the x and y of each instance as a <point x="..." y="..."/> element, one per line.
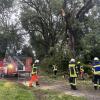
<point x="85" y="88"/>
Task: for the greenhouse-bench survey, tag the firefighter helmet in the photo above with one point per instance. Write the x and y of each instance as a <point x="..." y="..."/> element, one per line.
<point x="37" y="61"/>
<point x="78" y="62"/>
<point x="96" y="59"/>
<point x="72" y="60"/>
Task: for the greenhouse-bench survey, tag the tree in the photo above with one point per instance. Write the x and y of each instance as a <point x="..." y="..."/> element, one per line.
<point x="41" y="19"/>
<point x="91" y="40"/>
<point x="49" y="30"/>
<point x="27" y="51"/>
<point x="5" y="6"/>
<point x="75" y="21"/>
<point x="9" y="36"/>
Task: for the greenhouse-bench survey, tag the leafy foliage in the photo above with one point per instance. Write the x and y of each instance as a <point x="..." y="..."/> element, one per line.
<point x="42" y="21"/>
<point x="58" y="29"/>
<point x="9" y="36"/>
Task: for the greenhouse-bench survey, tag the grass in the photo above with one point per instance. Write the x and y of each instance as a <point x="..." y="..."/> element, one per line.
<point x="14" y="91"/>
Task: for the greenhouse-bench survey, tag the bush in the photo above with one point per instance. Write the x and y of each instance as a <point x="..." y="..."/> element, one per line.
<point x="60" y="61"/>
<point x="88" y="69"/>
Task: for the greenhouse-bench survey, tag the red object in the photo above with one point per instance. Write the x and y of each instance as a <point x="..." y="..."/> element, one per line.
<point x="14" y="70"/>
<point x="28" y="64"/>
<point x="1" y="63"/>
<point x="34" y="78"/>
<point x="1" y="66"/>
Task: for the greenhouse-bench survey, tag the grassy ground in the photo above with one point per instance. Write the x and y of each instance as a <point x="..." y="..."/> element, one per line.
<point x="14" y="91"/>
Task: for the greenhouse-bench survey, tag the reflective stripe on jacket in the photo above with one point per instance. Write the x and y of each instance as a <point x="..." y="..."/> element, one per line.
<point x="34" y="70"/>
<point x="96" y="69"/>
<point x="72" y="70"/>
<point x="54" y="68"/>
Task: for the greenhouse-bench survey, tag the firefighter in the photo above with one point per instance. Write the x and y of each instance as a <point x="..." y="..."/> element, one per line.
<point x="80" y="70"/>
<point x="72" y="74"/>
<point x="55" y="69"/>
<point x="96" y="73"/>
<point x="34" y="75"/>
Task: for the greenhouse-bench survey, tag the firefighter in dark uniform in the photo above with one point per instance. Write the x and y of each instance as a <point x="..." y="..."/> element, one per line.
<point x="55" y="69"/>
<point x="78" y="68"/>
<point x="96" y="73"/>
<point x="72" y="74"/>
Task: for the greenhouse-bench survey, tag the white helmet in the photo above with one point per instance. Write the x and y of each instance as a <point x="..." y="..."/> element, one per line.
<point x="72" y="60"/>
<point x="96" y="59"/>
<point x="36" y="61"/>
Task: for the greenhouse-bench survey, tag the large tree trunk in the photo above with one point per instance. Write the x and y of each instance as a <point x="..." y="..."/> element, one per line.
<point x="72" y="44"/>
<point x="80" y="16"/>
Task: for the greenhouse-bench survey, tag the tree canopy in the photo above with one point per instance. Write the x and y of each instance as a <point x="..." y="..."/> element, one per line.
<point x="58" y="29"/>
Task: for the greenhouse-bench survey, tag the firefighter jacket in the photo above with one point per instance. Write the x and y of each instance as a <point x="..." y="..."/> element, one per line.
<point x="72" y="70"/>
<point x="34" y="70"/>
<point x="54" y="68"/>
<point x="81" y="69"/>
<point x="96" y="68"/>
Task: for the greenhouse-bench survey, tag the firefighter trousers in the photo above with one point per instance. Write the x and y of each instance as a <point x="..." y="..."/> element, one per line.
<point x="96" y="80"/>
<point x="72" y="81"/>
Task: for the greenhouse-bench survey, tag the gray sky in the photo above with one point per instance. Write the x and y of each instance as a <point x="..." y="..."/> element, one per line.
<point x="15" y="19"/>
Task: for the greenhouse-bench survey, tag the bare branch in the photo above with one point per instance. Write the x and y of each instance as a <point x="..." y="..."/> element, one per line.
<point x="84" y="9"/>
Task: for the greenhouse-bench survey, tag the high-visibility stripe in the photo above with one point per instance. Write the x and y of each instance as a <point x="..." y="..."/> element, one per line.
<point x="71" y="65"/>
<point x="55" y="68"/>
<point x="96" y="72"/>
<point x="73" y="84"/>
<point x="95" y="84"/>
<point x="34" y="67"/>
<point x="34" y="72"/>
<point x="73" y="75"/>
<point x="99" y="86"/>
<point x="96" y="69"/>
<point x="96" y="66"/>
<point x="72" y="70"/>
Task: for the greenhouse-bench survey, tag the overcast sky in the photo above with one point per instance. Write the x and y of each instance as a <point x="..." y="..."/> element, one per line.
<point x="15" y="18"/>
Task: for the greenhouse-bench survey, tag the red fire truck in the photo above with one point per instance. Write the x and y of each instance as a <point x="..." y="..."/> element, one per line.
<point x="1" y="66"/>
<point x="13" y="65"/>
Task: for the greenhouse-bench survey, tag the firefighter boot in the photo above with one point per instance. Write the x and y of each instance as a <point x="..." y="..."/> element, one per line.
<point x="37" y="83"/>
<point x="71" y="87"/>
<point x="74" y="88"/>
<point x="95" y="87"/>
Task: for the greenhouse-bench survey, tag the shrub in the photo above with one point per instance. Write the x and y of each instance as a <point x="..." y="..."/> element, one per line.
<point x="88" y="69"/>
